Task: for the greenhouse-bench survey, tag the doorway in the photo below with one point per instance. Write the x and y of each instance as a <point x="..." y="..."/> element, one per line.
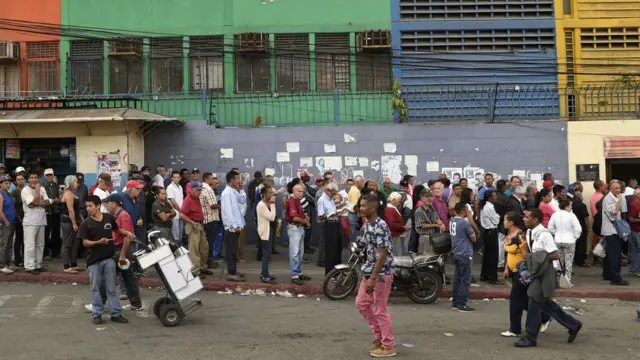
<point x="622" y="169"/>
<point x="59" y="154"/>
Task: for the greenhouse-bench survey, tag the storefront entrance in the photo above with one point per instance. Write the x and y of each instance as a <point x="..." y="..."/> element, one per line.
<point x="58" y="154"/>
<point x="623" y="169"/>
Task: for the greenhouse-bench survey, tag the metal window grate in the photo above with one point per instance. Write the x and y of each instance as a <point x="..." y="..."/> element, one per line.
<point x="9" y="80"/>
<point x="126" y="75"/>
<point x="87" y="49"/>
<point x="334" y="43"/>
<point x="416" y="10"/>
<point x="332" y="62"/>
<point x="206" y="46"/>
<point x="87" y="76"/>
<point x="165" y="47"/>
<point x="373" y="71"/>
<point x="292" y="62"/>
<point x="610" y="38"/>
<point x="568" y="39"/>
<point x="42" y="50"/>
<point x="478" y="40"/>
<point x="252" y="72"/>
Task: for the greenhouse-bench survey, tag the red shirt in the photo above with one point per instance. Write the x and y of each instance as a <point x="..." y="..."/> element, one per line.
<point x="192" y="208"/>
<point x="294" y="209"/>
<point x="124" y="222"/>
<point x="633" y="212"/>
<point x="93" y="188"/>
<point x="393" y="218"/>
<point x="547" y="211"/>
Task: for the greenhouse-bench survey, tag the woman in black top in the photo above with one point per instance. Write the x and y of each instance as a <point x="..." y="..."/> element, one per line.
<point x="70" y="219"/>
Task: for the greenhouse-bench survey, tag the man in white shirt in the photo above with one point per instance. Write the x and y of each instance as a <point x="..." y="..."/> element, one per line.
<point x="489" y="219"/>
<point x="632" y="184"/>
<point x="34" y="203"/>
<point x="158" y="179"/>
<point x="176" y="197"/>
<point x="611" y="212"/>
<point x="558" y="195"/>
<point x="102" y="190"/>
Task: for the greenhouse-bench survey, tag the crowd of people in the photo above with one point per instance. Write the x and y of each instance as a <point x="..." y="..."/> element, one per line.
<point x="502" y="221"/>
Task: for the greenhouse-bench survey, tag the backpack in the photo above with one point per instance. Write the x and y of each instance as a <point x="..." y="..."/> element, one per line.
<point x="406" y="213"/>
<point x="597" y="219"/>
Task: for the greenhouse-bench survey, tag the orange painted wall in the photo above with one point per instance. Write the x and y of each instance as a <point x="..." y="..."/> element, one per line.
<point x="42" y="11"/>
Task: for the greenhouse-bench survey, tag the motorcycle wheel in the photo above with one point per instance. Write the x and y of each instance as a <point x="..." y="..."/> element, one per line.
<point x="432" y="287"/>
<point x="336" y="278"/>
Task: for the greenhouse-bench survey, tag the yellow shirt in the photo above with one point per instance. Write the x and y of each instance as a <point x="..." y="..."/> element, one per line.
<point x="354" y="195"/>
<point x="515" y="253"/>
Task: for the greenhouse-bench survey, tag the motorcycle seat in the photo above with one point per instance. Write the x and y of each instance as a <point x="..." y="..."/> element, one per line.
<point x="406" y="261"/>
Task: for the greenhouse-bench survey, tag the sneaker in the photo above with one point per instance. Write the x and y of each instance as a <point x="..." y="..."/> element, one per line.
<point x="33" y="272"/>
<point x="235" y="278"/>
<point x="78" y="268"/>
<point x="304" y="277"/>
<point x="297" y="281"/>
<point x="242" y="260"/>
<point x="89" y="308"/>
<point x="268" y="280"/>
<point x="376" y="345"/>
<point x="70" y="271"/>
<point x="383" y="353"/>
<point x="465" y="309"/>
<point x="544" y="327"/>
<point x="6" y="270"/>
<point x="620" y="283"/>
<point x="508" y="333"/>
<point x="97" y="320"/>
<point x="119" y="319"/>
<point x="574" y="334"/>
<point x="129" y="307"/>
<point x="123" y="296"/>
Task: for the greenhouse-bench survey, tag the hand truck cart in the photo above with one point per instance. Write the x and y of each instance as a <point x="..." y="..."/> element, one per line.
<point x="171" y="261"/>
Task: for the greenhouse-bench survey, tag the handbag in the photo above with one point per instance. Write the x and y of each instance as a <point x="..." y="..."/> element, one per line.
<point x="599" y="250"/>
<point x="563" y="279"/>
<point x="622" y="228"/>
<point x="525" y="275"/>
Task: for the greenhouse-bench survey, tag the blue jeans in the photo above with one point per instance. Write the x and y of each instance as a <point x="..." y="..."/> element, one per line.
<point x="103" y="273"/>
<point x="217" y="246"/>
<point x="461" y="280"/>
<point x="353" y="218"/>
<point x="634" y="252"/>
<point x="212" y="230"/>
<point x="265" y="248"/>
<point x="296" y="249"/>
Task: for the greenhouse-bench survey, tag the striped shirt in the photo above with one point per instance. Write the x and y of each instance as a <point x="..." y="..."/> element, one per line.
<point x="208" y="198"/>
<point x="425" y="215"/>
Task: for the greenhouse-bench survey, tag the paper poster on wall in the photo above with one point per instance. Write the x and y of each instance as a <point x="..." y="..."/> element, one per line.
<point x="375" y="165"/>
<point x="350" y="161"/>
<point x="110" y="164"/>
<point x="349" y="138"/>
<point x="329" y="148"/>
<point x="433" y="166"/>
<point x="13" y="149"/>
<point x="475" y="176"/>
<point x="363" y="161"/>
<point x="226" y="153"/>
<point x="293" y="147"/>
<point x="328" y="163"/>
<point x="282" y="157"/>
<point x="306" y="162"/>
<point x="390" y="166"/>
<point x="358" y="173"/>
<point x="411" y="161"/>
<point x="389" y="148"/>
<point x="269" y="172"/>
<point x="453" y="174"/>
<point x="520" y="173"/>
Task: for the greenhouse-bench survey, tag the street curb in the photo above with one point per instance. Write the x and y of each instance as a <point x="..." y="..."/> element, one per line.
<point x="309" y="289"/>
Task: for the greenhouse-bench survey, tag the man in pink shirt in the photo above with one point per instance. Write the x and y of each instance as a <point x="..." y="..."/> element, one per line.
<point x="440" y="205"/>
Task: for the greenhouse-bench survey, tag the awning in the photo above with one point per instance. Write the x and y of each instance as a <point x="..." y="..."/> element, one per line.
<point x="148" y="121"/>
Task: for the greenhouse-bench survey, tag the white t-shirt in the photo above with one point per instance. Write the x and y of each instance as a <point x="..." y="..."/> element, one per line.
<point x="543" y="242"/>
<point x="174" y="191"/>
<point x="158" y="181"/>
<point x="36" y="216"/>
<point x="102" y="194"/>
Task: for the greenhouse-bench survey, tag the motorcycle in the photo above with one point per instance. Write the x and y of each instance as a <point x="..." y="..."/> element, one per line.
<point x="420" y="276"/>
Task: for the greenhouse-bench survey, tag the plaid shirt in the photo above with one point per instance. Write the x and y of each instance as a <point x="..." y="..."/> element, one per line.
<point x="425" y="215"/>
<point x="208" y="198"/>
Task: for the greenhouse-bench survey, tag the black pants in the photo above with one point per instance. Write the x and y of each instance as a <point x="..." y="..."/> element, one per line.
<point x="18" y="245"/>
<point x="612" y="263"/>
<point x="128" y="277"/>
<point x="519" y="302"/>
<point x="581" y="249"/>
<point x="231" y="241"/>
<point x="321" y="241"/>
<point x="534" y="318"/>
<point x="489" y="270"/>
<point x="52" y="240"/>
<point x="332" y="245"/>
<point x="307" y="237"/>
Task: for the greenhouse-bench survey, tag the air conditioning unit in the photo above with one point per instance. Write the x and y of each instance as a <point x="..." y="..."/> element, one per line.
<point x="125" y="47"/>
<point x="373" y="40"/>
<point x="252" y="42"/>
<point x="9" y="50"/>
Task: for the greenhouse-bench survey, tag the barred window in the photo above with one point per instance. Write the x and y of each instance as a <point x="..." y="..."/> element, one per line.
<point x="252" y="71"/>
<point x="86" y="63"/>
<point x="292" y="62"/>
<point x="478" y="40"/>
<point x="333" y="70"/>
<point x="373" y="71"/>
<point x="126" y="66"/>
<point x="206" y="56"/>
<point x="418" y="10"/>
<point x="610" y="38"/>
<point x="43" y="68"/>
<point x="10" y="80"/>
<point x="166" y="64"/>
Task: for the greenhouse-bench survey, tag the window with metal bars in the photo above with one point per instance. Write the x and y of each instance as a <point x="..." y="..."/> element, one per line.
<point x="252" y="72"/>
<point x="10" y="80"/>
<point x="126" y="75"/>
<point x="206" y="56"/>
<point x="478" y="40"/>
<point x="610" y="38"/>
<point x="333" y="70"/>
<point x="568" y="39"/>
<point x="165" y="58"/>
<point x="419" y="10"/>
<point x="86" y="66"/>
<point x="292" y="62"/>
<point x="43" y="68"/>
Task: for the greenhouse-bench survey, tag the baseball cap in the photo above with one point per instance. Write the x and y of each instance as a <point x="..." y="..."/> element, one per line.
<point x="133" y="184"/>
<point x="318" y="179"/>
<point x="4" y="178"/>
<point x="196" y="185"/>
<point x="80" y="176"/>
<point x="426" y="192"/>
<point x="195" y="170"/>
<point x="547" y="184"/>
<point x="304" y="173"/>
<point x="20" y="169"/>
<point x="48" y="171"/>
<point x="137" y="177"/>
<point x="2" y="166"/>
<point x="115" y="197"/>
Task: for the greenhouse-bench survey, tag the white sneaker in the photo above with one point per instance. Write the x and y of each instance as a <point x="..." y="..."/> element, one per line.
<point x="129" y="307"/>
<point x="6" y="270"/>
<point x="509" y="334"/>
<point x="89" y="308"/>
<point x="544" y="327"/>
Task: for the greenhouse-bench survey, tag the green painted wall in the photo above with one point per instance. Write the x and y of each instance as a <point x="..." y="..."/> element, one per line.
<point x="228" y="17"/>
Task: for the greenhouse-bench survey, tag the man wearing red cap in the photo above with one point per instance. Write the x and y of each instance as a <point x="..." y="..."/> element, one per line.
<point x="132" y="205"/>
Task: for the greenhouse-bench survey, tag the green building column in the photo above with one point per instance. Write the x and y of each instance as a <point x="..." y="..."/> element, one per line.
<point x="186" y="66"/>
<point x="352" y="62"/>
<point x="313" y="83"/>
<point x="65" y="75"/>
<point x="229" y="69"/>
<point x="146" y="65"/>
<point x="106" y="84"/>
<point x="273" y="71"/>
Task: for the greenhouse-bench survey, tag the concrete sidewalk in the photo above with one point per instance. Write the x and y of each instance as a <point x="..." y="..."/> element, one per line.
<point x="588" y="281"/>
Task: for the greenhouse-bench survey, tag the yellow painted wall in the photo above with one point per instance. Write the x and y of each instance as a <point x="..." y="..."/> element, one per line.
<point x="88" y="148"/>
<point x="136" y="149"/>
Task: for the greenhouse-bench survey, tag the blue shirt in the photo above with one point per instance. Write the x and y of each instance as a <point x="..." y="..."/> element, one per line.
<point x="461" y="233"/>
<point x="509" y="192"/>
<point x="132" y="208"/>
<point x="232" y="217"/>
<point x="12" y="187"/>
<point x="326" y="206"/>
<point x="8" y="208"/>
<point x="377" y="235"/>
<point x="483" y="190"/>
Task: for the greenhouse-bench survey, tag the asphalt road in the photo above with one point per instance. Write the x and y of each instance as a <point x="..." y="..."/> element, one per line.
<point x="49" y="322"/>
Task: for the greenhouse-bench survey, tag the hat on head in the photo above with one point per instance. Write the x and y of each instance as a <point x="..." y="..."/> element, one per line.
<point x="133" y="184"/>
<point x="48" y="171"/>
<point x="547" y="184"/>
<point x="137" y="177"/>
<point x="20" y="169"/>
<point x="426" y="192"/>
<point x="4" y="178"/>
<point x="304" y="173"/>
<point x="2" y="166"/>
<point x="257" y="175"/>
<point x="318" y="179"/>
<point x="115" y="197"/>
<point x="195" y="170"/>
<point x="196" y="185"/>
<point x="80" y="176"/>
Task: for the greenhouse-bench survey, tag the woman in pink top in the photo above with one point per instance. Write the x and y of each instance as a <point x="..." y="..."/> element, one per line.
<point x="547" y="210"/>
